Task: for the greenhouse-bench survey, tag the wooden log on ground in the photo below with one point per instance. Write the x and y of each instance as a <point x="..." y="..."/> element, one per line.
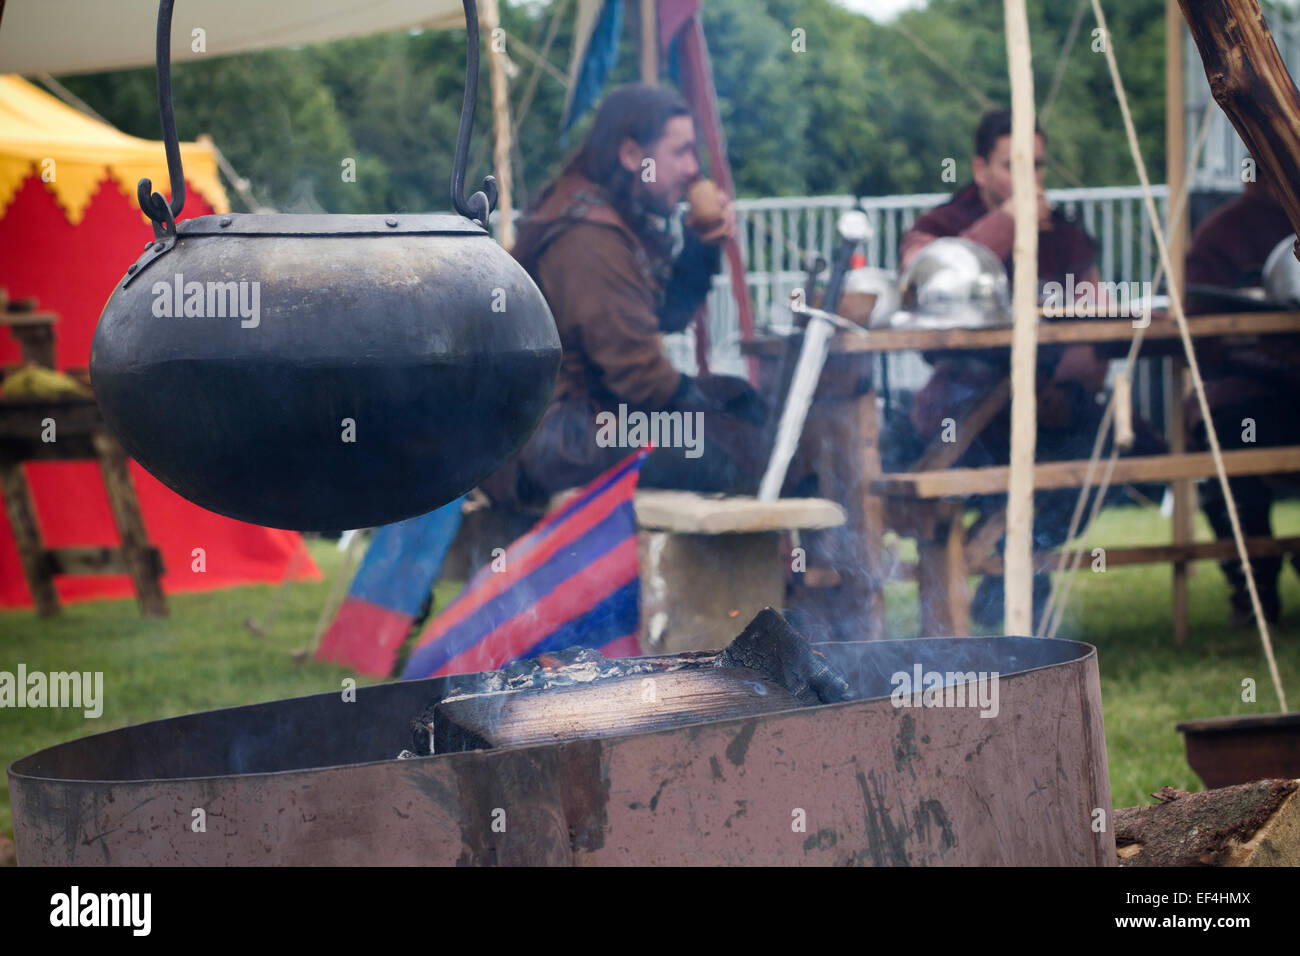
<point x="1251" y="824"/>
<point x="1252" y="86"/>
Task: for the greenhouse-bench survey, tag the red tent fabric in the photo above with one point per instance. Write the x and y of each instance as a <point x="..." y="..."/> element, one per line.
<point x="71" y="269"/>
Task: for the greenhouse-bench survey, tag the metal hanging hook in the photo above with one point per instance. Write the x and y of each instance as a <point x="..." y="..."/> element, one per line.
<point x="155" y="206"/>
<point x="481" y="204"/>
<point x="152" y="204"/>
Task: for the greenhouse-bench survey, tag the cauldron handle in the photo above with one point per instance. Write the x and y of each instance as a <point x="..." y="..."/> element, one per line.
<point x="481" y="204"/>
<point x="163" y="213"/>
<point x="153" y="204"/>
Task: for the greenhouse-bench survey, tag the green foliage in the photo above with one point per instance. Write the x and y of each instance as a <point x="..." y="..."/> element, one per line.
<point x="862" y="110"/>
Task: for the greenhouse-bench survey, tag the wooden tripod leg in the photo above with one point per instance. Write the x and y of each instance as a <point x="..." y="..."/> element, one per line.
<point x="1184" y="493"/>
<point x="27" y="536"/>
<point x="1251" y="84"/>
<point x="142" y="561"/>
<point x="868" y="509"/>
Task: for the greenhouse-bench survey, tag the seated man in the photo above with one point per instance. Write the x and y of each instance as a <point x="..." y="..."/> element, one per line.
<point x="1069" y="378"/>
<point x="1253" y="384"/>
<point x="597" y="243"/>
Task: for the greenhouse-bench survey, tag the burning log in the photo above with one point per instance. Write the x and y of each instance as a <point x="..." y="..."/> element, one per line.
<point x="622" y="705"/>
<point x="580" y="693"/>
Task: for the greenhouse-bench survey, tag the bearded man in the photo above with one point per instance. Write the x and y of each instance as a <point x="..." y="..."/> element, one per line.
<point x="598" y="244"/>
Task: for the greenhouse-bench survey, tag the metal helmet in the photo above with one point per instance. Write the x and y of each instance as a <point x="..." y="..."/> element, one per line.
<point x="1282" y="273"/>
<point x="954" y="283"/>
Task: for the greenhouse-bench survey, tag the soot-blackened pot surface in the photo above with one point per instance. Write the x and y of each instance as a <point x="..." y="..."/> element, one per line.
<point x="341" y="372"/>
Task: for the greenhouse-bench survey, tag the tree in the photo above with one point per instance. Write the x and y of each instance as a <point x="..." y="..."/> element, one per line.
<point x="813" y="99"/>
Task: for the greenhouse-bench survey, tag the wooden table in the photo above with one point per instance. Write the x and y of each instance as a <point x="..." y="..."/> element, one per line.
<point x="33" y="329"/>
<point x="934" y="516"/>
<point x="1112" y="336"/>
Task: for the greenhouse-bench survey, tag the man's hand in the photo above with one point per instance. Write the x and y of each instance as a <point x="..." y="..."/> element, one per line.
<point x="721" y="231"/>
<point x="1044" y="210"/>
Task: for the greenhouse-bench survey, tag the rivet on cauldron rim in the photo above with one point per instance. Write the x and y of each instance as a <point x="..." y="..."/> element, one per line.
<point x="157" y="247"/>
<point x="391" y="220"/>
<point x="224" y="222"/>
<point x="130" y="270"/>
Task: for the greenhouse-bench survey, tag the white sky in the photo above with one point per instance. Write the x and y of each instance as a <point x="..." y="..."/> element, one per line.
<point x="881" y="9"/>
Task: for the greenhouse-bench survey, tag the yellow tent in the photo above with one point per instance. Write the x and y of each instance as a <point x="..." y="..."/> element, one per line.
<point x="73" y="153"/>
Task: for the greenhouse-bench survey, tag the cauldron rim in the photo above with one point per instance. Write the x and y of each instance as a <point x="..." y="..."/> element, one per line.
<point x="327" y="224"/>
<point x="425" y="689"/>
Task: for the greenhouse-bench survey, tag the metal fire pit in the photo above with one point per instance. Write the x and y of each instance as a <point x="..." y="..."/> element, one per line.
<point x="313" y="780"/>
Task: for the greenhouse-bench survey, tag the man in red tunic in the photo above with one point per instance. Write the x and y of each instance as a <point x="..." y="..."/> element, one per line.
<point x="1069" y="378"/>
<point x="1251" y="391"/>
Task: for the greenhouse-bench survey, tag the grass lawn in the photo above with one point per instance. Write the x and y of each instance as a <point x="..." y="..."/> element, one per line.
<point x="202" y="657"/>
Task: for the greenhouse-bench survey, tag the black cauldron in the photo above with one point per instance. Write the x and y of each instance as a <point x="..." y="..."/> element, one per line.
<point x="323" y="371"/>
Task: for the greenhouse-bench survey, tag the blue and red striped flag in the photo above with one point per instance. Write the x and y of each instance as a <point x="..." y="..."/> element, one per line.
<point x="402" y="564"/>
<point x="571" y="581"/>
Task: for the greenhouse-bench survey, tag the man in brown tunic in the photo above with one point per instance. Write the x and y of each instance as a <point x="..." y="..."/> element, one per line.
<point x="598" y="245"/>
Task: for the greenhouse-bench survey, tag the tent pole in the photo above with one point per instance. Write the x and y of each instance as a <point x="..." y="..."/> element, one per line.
<point x="1018" y="600"/>
<point x="501" y="133"/>
<point x="697" y="82"/>
<point x="649" y="43"/>
<point x="1177" y="233"/>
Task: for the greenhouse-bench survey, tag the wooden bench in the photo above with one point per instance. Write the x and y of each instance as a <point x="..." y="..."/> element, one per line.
<point x="930" y="506"/>
<point x="710" y="563"/>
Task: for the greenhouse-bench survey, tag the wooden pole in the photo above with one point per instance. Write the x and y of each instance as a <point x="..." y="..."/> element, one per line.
<point x="1024" y="343"/>
<point x="501" y="133"/>
<point x="1176" y="389"/>
<point x="1175" y="138"/>
<point x="1252" y="86"/>
<point x="649" y="43"/>
<point x="697" y="86"/>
